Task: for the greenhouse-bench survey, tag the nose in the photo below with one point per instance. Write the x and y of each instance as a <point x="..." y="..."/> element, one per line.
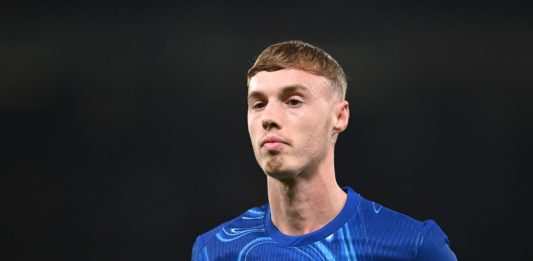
<point x="271" y="117"/>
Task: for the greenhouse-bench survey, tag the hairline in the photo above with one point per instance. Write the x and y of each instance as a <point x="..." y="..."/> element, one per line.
<point x="336" y="89"/>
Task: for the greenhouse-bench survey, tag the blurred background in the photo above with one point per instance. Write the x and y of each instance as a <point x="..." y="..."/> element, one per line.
<point x="123" y="125"/>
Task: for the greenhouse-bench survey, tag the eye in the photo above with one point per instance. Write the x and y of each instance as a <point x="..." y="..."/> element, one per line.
<point x="294" y="102"/>
<point x="258" y="105"/>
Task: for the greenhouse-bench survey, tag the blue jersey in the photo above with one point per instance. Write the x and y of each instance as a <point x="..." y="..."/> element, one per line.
<point x="362" y="231"/>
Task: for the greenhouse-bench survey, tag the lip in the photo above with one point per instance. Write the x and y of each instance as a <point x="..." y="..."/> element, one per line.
<point x="272" y="142"/>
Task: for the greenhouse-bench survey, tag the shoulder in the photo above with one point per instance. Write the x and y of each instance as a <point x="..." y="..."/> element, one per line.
<point x="376" y="214"/>
<point x="249" y="221"/>
<point x="405" y="236"/>
<point x="434" y="245"/>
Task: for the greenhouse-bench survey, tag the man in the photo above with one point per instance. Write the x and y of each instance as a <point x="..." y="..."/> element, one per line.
<point x="296" y="110"/>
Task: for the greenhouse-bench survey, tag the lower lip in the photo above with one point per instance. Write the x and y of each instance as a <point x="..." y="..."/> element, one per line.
<point x="273" y="145"/>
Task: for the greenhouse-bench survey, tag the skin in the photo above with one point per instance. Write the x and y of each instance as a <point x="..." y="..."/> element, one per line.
<point x="301" y="115"/>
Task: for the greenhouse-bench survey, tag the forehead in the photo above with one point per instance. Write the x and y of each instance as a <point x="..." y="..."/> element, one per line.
<point x="273" y="81"/>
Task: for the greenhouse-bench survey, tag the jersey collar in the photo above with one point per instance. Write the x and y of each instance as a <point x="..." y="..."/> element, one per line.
<point x="347" y="211"/>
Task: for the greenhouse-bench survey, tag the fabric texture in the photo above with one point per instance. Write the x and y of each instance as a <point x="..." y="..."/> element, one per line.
<point x="362" y="231"/>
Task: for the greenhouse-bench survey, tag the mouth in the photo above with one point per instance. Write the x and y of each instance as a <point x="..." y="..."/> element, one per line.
<point x="273" y="142"/>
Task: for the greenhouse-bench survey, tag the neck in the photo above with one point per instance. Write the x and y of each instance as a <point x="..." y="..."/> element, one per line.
<point x="306" y="202"/>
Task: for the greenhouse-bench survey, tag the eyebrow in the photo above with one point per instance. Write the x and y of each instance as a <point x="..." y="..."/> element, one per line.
<point x="284" y="91"/>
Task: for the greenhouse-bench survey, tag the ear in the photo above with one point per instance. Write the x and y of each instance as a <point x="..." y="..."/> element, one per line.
<point x="341" y="116"/>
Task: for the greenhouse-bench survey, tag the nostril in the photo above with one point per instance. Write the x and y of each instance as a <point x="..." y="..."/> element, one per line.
<point x="269" y="124"/>
<point x="266" y="124"/>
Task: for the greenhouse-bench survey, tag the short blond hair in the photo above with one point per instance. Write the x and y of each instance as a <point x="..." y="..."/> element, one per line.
<point x="302" y="56"/>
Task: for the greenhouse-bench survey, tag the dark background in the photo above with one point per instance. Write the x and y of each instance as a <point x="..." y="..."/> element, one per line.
<point x="123" y="126"/>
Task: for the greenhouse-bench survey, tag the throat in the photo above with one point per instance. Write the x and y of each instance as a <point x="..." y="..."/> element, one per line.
<point x="298" y="210"/>
<point x="301" y="221"/>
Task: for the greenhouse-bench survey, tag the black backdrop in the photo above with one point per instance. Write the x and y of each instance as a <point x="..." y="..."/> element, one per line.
<point x="124" y="125"/>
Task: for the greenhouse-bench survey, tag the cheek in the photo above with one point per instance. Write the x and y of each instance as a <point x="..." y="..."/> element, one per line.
<point x="251" y="123"/>
<point x="316" y="125"/>
<point x="317" y="133"/>
<point x="253" y="132"/>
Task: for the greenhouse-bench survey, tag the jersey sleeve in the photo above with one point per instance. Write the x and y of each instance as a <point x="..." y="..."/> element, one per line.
<point x="434" y="245"/>
<point x="199" y="251"/>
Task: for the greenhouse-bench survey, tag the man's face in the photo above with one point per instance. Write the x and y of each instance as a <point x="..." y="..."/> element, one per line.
<point x="291" y="114"/>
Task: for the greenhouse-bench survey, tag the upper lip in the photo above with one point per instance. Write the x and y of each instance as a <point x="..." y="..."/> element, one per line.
<point x="272" y="138"/>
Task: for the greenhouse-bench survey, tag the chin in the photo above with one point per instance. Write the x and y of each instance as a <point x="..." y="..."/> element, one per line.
<point x="276" y="168"/>
<point x="280" y="175"/>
